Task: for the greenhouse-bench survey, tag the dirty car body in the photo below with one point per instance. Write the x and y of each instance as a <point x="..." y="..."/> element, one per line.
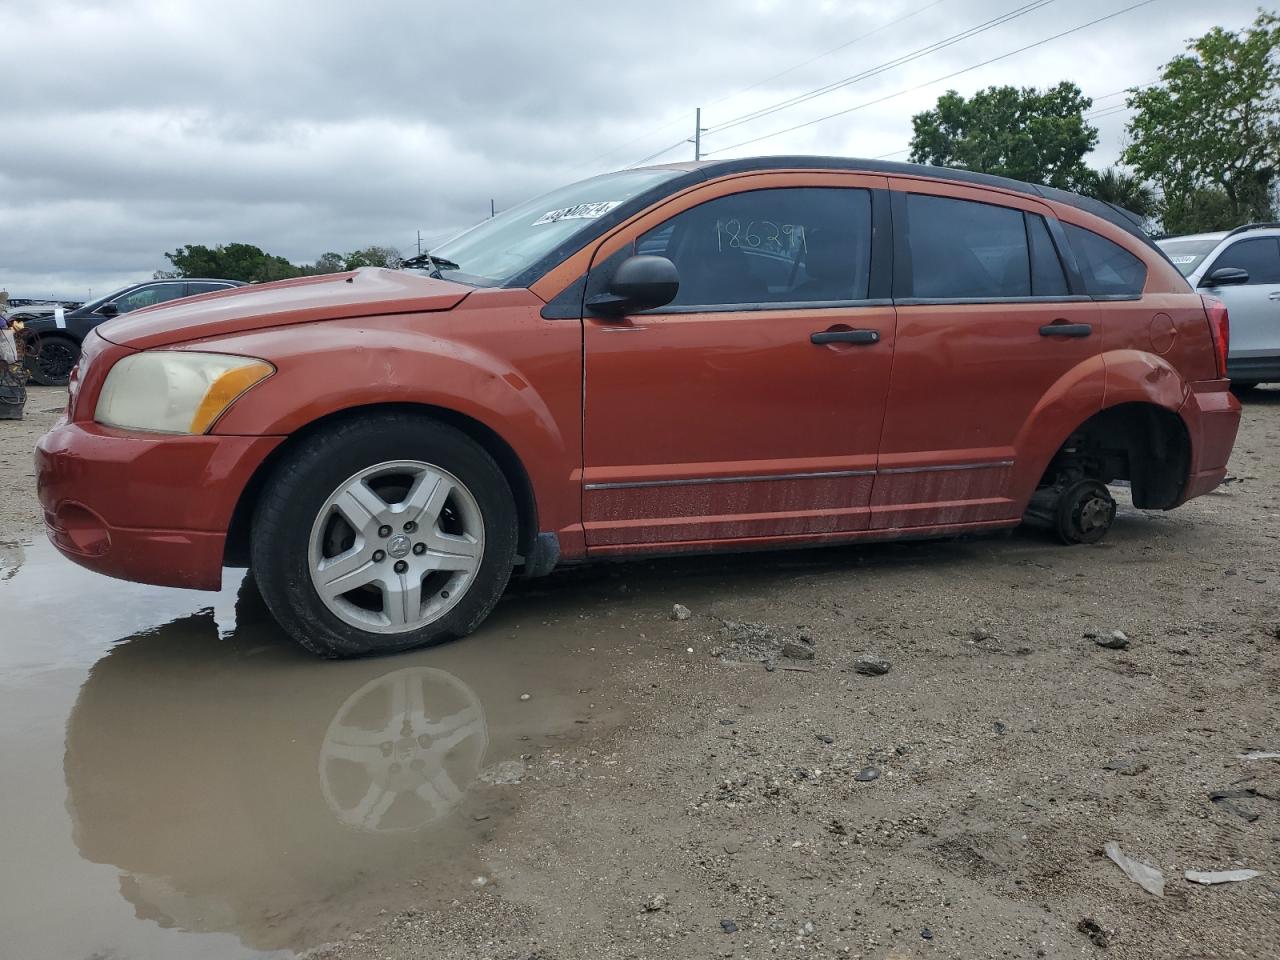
<point x="721" y="356"/>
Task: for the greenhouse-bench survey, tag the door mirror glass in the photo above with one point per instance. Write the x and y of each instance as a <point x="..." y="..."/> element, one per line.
<point x="640" y="283"/>
<point x="1226" y="277"/>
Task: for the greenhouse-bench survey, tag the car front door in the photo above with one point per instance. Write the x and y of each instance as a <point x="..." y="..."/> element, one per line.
<point x="987" y="324"/>
<point x="749" y="407"/>
<point x="1254" y="306"/>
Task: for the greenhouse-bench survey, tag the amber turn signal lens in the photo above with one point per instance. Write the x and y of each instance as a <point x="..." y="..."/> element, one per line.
<point x="224" y="391"/>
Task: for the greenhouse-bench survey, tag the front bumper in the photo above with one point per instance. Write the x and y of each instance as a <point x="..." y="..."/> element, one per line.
<point x="149" y="508"/>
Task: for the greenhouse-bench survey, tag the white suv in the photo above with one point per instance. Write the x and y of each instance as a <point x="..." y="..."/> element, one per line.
<point x="1242" y="269"/>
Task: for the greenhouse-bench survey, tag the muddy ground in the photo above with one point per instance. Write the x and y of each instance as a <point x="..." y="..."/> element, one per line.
<point x="662" y="793"/>
<point x="19" y="511"/>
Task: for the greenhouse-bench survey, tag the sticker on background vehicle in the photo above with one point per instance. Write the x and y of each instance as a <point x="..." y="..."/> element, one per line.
<point x="580" y="211"/>
<point x="1184" y="259"/>
<point x="60" y="318"/>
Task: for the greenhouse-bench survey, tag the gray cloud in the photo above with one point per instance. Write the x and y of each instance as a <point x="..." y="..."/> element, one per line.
<point x="133" y="127"/>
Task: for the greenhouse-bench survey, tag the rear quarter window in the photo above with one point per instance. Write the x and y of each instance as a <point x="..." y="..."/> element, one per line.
<point x="1109" y="269"/>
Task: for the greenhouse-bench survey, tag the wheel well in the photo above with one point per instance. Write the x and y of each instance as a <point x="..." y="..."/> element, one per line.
<point x="236" y="553"/>
<point x="1139" y="442"/>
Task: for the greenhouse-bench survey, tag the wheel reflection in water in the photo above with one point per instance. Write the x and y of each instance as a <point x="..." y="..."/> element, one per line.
<point x="402" y="749"/>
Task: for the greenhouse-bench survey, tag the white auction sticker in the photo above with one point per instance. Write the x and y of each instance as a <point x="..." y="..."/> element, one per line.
<point x="581" y="211"/>
<point x="60" y="318"/>
<point x="1184" y="259"/>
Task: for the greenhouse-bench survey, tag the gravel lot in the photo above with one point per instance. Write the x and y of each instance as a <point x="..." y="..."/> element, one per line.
<point x="955" y="806"/>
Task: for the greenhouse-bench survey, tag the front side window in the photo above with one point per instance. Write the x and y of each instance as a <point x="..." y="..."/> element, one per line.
<point x="1259" y="255"/>
<point x="965" y="250"/>
<point x="148" y="297"/>
<point x="784" y="245"/>
<point x="1109" y="269"/>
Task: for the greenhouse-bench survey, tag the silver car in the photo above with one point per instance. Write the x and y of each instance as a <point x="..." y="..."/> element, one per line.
<point x="1242" y="269"/>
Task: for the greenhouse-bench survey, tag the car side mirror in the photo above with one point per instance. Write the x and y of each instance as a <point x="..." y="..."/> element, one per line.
<point x="639" y="283"/>
<point x="108" y="310"/>
<point x="1226" y="277"/>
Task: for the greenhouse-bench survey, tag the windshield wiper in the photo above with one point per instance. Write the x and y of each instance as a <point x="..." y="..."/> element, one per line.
<point x="432" y="264"/>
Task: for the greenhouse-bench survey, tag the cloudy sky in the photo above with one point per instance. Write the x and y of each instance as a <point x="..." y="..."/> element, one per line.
<point x="131" y="127"/>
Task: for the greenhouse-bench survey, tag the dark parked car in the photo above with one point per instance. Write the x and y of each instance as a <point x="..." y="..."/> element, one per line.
<point x="54" y="340"/>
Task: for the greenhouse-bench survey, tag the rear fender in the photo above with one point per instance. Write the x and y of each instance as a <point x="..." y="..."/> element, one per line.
<point x="1102" y="382"/>
<point x="1075" y="397"/>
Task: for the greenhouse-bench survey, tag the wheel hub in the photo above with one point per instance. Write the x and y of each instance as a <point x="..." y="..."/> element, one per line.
<point x="395" y="546"/>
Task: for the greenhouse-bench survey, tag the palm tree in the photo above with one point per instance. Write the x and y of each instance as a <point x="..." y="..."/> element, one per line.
<point x="1123" y="189"/>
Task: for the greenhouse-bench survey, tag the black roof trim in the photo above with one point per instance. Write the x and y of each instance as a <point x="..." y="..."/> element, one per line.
<point x="688" y="174"/>
<point x="1114" y="215"/>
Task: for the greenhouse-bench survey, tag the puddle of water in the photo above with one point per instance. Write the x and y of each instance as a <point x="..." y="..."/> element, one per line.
<point x="181" y="780"/>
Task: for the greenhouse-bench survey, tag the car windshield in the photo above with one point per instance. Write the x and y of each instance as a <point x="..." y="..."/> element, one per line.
<point x="1186" y="255"/>
<point x="95" y="304"/>
<point x="502" y="247"/>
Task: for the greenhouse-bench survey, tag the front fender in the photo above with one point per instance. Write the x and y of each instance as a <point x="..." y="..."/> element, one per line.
<point x="463" y="364"/>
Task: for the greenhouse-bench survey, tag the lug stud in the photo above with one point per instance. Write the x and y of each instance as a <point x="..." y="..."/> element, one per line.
<point x="410" y="527"/>
<point x="419" y="549"/>
<point x="378" y="556"/>
<point x="401" y="566"/>
<point x="384" y="531"/>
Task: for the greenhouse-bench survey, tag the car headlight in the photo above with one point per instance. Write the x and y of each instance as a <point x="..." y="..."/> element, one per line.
<point x="175" y="391"/>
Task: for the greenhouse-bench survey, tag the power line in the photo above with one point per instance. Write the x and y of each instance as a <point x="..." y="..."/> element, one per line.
<point x="674" y="120"/>
<point x="653" y="156"/>
<point x="827" y="53"/>
<point x="917" y="54"/>
<point x="928" y="83"/>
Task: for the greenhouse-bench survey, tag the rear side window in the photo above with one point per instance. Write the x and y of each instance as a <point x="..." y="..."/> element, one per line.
<point x="1260" y="256"/>
<point x="788" y="245"/>
<point x="195" y="288"/>
<point x="1109" y="269"/>
<point x="964" y="250"/>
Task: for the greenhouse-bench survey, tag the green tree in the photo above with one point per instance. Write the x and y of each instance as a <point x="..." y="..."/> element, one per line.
<point x="373" y="257"/>
<point x="1208" y="134"/>
<point x="328" y="263"/>
<point x="1123" y="189"/>
<point x="234" y="261"/>
<point x="1023" y="133"/>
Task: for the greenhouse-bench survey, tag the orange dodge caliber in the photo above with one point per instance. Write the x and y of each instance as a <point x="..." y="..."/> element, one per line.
<point x="732" y="355"/>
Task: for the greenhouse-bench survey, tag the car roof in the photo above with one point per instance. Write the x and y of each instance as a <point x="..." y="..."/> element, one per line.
<point x="1216" y="235"/>
<point x="1111" y="213"/>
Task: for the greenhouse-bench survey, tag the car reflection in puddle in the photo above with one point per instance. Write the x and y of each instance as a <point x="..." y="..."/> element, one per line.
<point x="242" y="786"/>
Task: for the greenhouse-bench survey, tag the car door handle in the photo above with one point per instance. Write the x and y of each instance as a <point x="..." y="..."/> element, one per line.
<point x="1066" y="330"/>
<point x="845" y="336"/>
<point x="1274" y="296"/>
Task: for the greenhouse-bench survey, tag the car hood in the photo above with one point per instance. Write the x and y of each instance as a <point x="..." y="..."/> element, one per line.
<point x="365" y="292"/>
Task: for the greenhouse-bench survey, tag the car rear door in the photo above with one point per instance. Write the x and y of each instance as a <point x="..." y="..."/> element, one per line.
<point x="989" y="319"/>
<point x="750" y="407"/>
<point x="1254" y="307"/>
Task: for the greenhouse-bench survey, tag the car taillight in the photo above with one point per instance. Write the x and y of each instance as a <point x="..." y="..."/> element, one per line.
<point x="1219" y="329"/>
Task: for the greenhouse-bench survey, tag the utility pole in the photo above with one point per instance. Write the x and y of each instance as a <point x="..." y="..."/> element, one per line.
<point x="493" y="211"/>
<point x="697" y="134"/>
<point x="419" y="243"/>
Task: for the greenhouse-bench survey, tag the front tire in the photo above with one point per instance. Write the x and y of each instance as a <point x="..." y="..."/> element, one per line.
<point x="50" y="360"/>
<point x="386" y="532"/>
